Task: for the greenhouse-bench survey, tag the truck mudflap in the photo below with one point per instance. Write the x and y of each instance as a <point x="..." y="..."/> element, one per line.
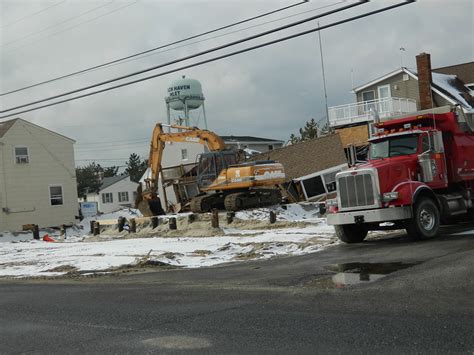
<point x="370" y="216"/>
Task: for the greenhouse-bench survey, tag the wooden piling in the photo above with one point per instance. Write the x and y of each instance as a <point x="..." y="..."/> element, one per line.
<point x="273" y="217"/>
<point x="62" y="230"/>
<point x="155" y="222"/>
<point x="96" y="228"/>
<point x="92" y="223"/>
<point x="133" y="225"/>
<point x="36" y="234"/>
<point x="120" y="223"/>
<point x="172" y="223"/>
<point x="230" y="217"/>
<point x="215" y="218"/>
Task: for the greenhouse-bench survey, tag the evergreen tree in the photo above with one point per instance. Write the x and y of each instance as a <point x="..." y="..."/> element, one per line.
<point x="309" y="131"/>
<point x="136" y="167"/>
<point x="89" y="178"/>
<point x="111" y="171"/>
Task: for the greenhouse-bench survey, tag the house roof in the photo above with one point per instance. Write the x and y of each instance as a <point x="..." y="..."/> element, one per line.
<point x="307" y="157"/>
<point x="109" y="181"/>
<point x="247" y="139"/>
<point x="449" y="87"/>
<point x="6" y="125"/>
<point x="464" y="71"/>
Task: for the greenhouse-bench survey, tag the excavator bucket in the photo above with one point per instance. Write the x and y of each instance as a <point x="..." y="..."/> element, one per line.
<point x="148" y="205"/>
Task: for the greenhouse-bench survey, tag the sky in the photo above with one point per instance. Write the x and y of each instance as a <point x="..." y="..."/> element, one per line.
<point x="270" y="92"/>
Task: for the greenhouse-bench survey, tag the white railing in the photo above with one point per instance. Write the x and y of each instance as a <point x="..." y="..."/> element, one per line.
<point x="364" y="111"/>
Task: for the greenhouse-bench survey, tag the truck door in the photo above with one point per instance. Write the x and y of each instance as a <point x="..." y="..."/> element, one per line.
<point x="430" y="146"/>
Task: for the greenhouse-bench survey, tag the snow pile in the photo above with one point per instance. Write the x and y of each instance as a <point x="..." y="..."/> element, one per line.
<point x="298" y="230"/>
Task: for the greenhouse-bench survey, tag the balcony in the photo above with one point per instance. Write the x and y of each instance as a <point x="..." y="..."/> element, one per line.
<point x="364" y="111"/>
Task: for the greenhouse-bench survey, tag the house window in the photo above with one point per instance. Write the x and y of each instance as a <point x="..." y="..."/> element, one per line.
<point x="21" y="155"/>
<point x="56" y="195"/>
<point x="107" y="197"/>
<point x="368" y="96"/>
<point x="123" y="196"/>
<point x="184" y="154"/>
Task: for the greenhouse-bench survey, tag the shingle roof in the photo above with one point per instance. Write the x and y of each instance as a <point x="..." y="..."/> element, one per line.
<point x="248" y="139"/>
<point x="307" y="157"/>
<point x="464" y="71"/>
<point x="6" y="125"/>
<point x="109" y="181"/>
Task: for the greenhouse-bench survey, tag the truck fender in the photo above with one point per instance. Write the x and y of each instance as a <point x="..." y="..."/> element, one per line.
<point x="408" y="192"/>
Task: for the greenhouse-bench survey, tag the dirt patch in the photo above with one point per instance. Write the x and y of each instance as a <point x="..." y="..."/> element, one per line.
<point x="200" y="252"/>
<point x="63" y="268"/>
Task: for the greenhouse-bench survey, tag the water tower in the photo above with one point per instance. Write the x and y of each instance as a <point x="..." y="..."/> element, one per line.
<point x="185" y="95"/>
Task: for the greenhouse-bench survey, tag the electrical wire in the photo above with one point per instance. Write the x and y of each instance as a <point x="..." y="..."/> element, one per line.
<point x="406" y="2"/>
<point x="78" y="24"/>
<point x="261" y="34"/>
<point x="31" y="15"/>
<point x="55" y="25"/>
<point x="115" y="61"/>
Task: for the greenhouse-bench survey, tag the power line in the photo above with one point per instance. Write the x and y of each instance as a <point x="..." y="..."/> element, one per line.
<point x="261" y="34"/>
<point x="33" y="14"/>
<point x="153" y="49"/>
<point x="221" y="35"/>
<point x="55" y="25"/>
<point x="406" y="2"/>
<point x="79" y="24"/>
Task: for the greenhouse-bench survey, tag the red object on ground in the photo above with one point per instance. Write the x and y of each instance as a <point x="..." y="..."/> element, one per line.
<point x="47" y="238"/>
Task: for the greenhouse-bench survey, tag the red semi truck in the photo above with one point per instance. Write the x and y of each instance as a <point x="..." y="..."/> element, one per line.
<point x="419" y="174"/>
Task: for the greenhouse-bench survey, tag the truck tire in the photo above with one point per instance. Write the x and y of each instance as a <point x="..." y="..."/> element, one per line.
<point x="351" y="233"/>
<point x="425" y="221"/>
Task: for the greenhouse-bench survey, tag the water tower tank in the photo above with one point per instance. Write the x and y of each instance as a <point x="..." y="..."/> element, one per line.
<point x="183" y="92"/>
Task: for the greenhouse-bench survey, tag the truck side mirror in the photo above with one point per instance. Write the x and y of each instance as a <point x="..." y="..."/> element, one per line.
<point x="426" y="166"/>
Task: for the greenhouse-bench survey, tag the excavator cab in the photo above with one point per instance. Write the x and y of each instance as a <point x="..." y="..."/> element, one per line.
<point x="211" y="164"/>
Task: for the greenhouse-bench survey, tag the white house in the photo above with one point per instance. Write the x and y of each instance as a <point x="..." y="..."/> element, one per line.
<point x="37" y="176"/>
<point x="115" y="193"/>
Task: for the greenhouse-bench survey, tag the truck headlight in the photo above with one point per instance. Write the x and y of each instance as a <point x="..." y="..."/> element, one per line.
<point x="390" y="196"/>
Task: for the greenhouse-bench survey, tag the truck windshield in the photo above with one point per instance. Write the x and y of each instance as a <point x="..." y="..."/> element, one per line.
<point x="392" y="147"/>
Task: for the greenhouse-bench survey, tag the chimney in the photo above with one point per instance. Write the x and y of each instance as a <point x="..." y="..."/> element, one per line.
<point x="423" y="66"/>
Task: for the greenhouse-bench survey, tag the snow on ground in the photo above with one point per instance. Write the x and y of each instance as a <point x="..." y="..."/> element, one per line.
<point x="298" y="230"/>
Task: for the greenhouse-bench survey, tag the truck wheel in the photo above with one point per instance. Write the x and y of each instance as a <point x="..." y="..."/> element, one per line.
<point x="351" y="233"/>
<point x="425" y="221"/>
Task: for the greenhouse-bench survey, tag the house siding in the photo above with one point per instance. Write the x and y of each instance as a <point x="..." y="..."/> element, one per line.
<point x="124" y="185"/>
<point x="25" y="187"/>
<point x="398" y="88"/>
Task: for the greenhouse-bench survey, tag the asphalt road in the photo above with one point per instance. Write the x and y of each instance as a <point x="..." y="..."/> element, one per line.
<point x="286" y="305"/>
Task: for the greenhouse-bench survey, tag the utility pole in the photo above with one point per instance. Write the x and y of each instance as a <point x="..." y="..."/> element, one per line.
<point x="324" y="79"/>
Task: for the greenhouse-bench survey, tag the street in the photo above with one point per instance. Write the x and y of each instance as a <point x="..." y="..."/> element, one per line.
<point x="386" y="295"/>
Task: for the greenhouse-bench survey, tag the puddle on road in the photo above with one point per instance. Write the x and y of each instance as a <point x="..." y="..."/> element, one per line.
<point x="356" y="273"/>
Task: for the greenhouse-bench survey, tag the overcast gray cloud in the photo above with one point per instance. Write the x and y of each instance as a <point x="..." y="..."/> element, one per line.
<point x="270" y="92"/>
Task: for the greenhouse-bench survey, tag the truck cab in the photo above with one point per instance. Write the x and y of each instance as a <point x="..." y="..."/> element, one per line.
<point x="413" y="179"/>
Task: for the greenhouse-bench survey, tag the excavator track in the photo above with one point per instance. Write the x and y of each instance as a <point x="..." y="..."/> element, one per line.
<point x="255" y="198"/>
<point x="206" y="203"/>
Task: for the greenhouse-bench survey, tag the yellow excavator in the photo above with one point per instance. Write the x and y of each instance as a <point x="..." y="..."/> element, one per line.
<point x="222" y="181"/>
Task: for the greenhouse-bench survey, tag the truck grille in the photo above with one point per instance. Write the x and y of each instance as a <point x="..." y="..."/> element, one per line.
<point x="356" y="190"/>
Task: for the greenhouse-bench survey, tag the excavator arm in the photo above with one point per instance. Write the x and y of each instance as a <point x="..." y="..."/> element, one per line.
<point x="147" y="199"/>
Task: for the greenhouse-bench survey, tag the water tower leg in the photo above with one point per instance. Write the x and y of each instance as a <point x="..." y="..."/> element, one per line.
<point x="168" y="113"/>
<point x="204" y="114"/>
<point x="186" y="114"/>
